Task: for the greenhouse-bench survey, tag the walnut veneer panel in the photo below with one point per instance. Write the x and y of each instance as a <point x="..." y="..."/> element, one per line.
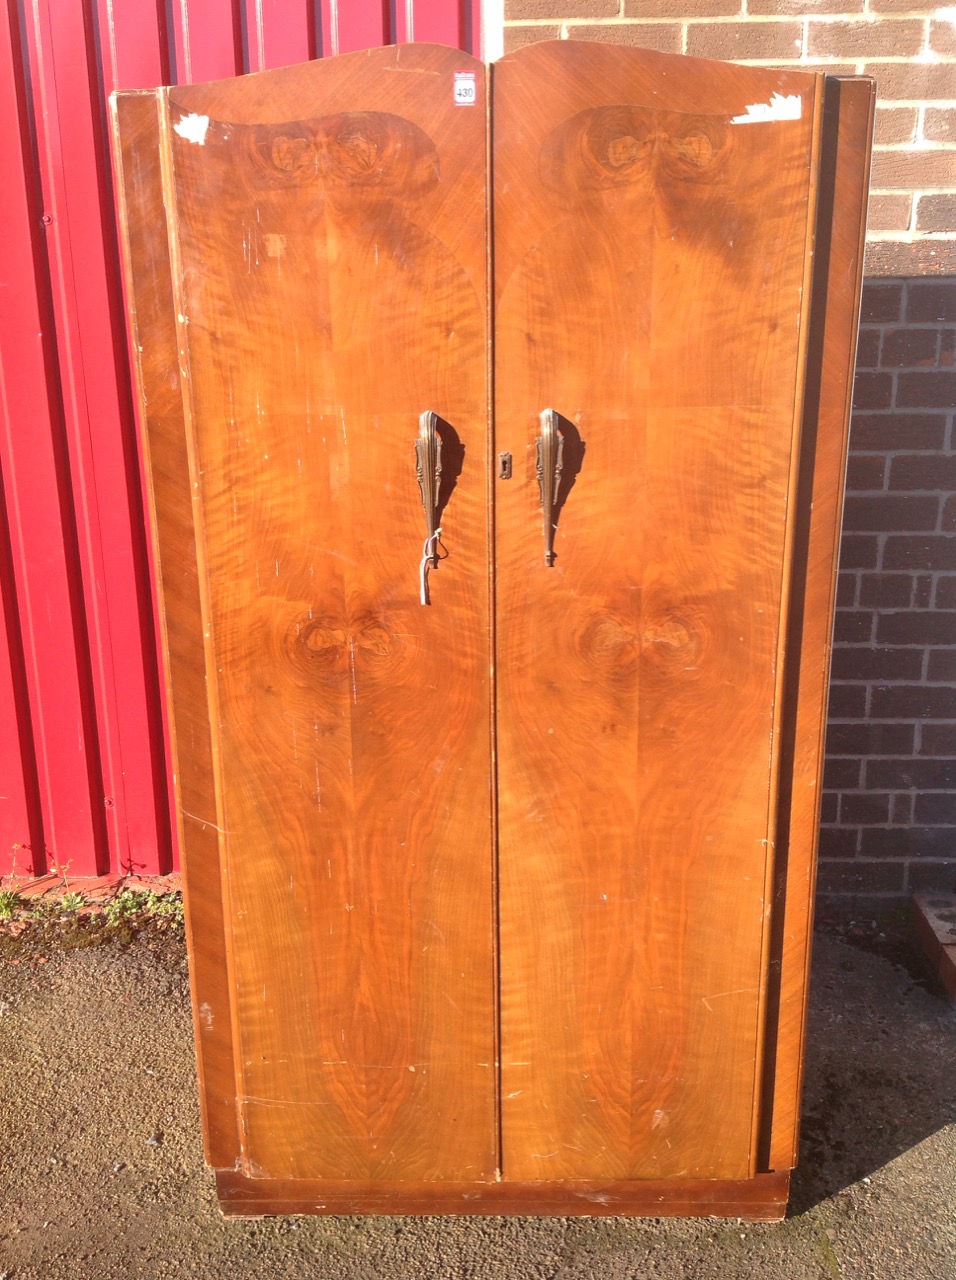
<point x="329" y="272"/>
<point x="651" y="245"/>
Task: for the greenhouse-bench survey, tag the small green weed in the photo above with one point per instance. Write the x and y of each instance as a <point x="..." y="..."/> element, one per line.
<point x="41" y="909"/>
<point x="165" y="906"/>
<point x="10" y="904"/>
<point x="65" y="918"/>
<point x="125" y="906"/>
<point x="132" y="904"/>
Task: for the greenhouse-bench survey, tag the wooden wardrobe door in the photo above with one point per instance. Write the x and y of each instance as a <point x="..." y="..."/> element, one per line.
<point x="653" y="225"/>
<point x="327" y="232"/>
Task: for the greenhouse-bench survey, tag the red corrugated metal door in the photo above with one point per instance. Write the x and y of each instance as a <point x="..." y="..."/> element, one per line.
<point x="82" y="774"/>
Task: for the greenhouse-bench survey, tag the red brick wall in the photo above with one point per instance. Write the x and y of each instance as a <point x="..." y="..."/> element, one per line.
<point x="889" y="805"/>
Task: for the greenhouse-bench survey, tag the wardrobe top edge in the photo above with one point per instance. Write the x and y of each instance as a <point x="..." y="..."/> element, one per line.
<point x="424" y="57"/>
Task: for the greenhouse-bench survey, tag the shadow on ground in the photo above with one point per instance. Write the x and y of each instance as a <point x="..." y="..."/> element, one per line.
<point x="878" y="1080"/>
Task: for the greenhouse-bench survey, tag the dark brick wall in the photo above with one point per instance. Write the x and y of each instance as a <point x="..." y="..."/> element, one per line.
<point x="889" y="804"/>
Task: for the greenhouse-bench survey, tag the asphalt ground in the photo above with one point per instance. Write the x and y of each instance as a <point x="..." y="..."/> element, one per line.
<point x="101" y="1172"/>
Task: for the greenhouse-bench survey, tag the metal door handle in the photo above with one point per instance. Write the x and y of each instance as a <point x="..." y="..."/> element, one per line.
<point x="550" y="446"/>
<point x="428" y="466"/>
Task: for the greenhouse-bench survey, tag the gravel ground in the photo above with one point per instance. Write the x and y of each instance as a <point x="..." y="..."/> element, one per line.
<point x="101" y="1172"/>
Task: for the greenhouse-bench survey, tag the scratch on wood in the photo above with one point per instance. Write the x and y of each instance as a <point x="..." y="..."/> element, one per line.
<point x="276" y="1102"/>
<point x="716" y="995"/>
<point x="206" y="823"/>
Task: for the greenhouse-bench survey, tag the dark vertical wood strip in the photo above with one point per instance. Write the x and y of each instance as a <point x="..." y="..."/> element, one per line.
<point x="791" y="549"/>
<point x="849" y="106"/>
<point x="492" y="478"/>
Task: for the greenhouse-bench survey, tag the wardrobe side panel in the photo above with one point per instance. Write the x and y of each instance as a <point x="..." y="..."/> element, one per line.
<point x="834" y="320"/>
<point x="152" y="325"/>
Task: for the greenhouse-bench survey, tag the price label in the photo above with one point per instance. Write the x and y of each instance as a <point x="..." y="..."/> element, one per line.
<point x="466" y="91"/>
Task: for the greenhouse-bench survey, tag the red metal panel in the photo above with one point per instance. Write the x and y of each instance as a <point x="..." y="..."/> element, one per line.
<point x="136" y="54"/>
<point x="366" y="22"/>
<point x="439" y="21"/>
<point x="327" y="30"/>
<point x="360" y="24"/>
<point x="133" y="44"/>
<point x="98" y="419"/>
<point x="41" y="539"/>
<point x="279" y="33"/>
<point x="472" y="28"/>
<point x="140" y="57"/>
<point x="452" y="22"/>
<point x="207" y="39"/>
<point x="20" y="834"/>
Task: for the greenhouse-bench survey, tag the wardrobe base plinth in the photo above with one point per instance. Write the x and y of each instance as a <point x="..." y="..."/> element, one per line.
<point x="762" y="1198"/>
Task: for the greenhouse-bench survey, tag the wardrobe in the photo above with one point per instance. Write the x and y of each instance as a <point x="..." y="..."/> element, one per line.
<point x="494" y="421"/>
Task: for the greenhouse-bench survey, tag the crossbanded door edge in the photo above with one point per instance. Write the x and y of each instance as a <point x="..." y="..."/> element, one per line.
<point x="135" y="135"/>
<point x="167" y="165"/>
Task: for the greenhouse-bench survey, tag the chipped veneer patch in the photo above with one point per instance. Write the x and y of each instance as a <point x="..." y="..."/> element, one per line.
<point x="193" y="127"/>
<point x="778" y="108"/>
